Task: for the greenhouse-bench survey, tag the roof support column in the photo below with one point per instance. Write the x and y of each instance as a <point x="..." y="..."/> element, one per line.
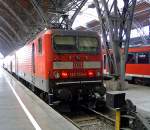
<point x="116" y="22"/>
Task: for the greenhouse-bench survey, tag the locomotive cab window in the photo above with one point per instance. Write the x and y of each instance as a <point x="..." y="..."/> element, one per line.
<point x="40" y="45"/>
<point x="88" y="44"/>
<point x="143" y="58"/>
<point x="64" y="43"/>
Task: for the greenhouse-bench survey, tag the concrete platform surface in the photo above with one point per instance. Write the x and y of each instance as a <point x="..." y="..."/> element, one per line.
<point x="140" y="95"/>
<point x="28" y="114"/>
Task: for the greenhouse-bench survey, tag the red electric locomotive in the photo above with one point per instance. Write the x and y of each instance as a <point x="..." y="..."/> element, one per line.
<point x="66" y="65"/>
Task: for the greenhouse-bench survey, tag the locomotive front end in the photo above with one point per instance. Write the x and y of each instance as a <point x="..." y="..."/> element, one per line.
<point x="77" y="67"/>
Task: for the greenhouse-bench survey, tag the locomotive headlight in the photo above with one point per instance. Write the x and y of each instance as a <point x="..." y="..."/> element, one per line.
<point x="98" y="73"/>
<point x="56" y="75"/>
<point x="90" y="73"/>
<point x="64" y="75"/>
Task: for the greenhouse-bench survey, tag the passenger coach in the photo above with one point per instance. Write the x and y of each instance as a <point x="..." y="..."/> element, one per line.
<point x="138" y="64"/>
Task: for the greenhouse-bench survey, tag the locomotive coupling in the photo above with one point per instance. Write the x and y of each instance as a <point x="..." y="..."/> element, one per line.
<point x="64" y="94"/>
<point x="100" y="90"/>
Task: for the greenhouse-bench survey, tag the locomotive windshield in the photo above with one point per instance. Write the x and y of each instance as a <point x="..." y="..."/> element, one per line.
<point x="88" y="44"/>
<point x="64" y="43"/>
<point x="75" y="44"/>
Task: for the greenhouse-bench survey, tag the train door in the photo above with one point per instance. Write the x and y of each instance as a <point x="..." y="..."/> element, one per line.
<point x="104" y="64"/>
<point x="15" y="64"/>
<point x="112" y="68"/>
<point x="10" y="66"/>
<point x="33" y="63"/>
<point x="16" y="58"/>
<point x="108" y="66"/>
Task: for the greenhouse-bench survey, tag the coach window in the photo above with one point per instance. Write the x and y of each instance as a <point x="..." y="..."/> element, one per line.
<point x="40" y="45"/>
<point x="143" y="58"/>
<point x="131" y="58"/>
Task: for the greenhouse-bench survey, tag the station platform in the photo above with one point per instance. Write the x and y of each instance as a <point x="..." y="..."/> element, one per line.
<point x="140" y="96"/>
<point x="20" y="109"/>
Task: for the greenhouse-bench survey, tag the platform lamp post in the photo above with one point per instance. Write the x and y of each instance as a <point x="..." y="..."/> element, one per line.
<point x="115" y="26"/>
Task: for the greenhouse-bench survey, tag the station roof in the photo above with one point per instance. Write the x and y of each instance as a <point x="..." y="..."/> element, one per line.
<point x="141" y="16"/>
<point x="142" y="12"/>
<point x="141" y="19"/>
<point x="20" y="20"/>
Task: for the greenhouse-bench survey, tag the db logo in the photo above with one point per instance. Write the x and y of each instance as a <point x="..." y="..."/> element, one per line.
<point x="77" y="65"/>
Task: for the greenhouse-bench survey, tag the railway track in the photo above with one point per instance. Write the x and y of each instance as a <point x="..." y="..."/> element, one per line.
<point x="88" y="119"/>
<point x="92" y="120"/>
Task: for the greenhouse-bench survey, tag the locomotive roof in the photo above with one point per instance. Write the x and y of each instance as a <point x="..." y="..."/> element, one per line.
<point x="65" y="32"/>
<point x="61" y="32"/>
<point x="73" y="32"/>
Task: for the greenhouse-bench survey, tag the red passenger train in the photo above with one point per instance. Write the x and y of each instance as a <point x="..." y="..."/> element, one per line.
<point x="66" y="65"/>
<point x="137" y="65"/>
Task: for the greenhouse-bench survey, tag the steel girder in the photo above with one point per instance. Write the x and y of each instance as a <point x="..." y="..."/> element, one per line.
<point x="116" y="25"/>
<point x="25" y="18"/>
<point x="14" y="14"/>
